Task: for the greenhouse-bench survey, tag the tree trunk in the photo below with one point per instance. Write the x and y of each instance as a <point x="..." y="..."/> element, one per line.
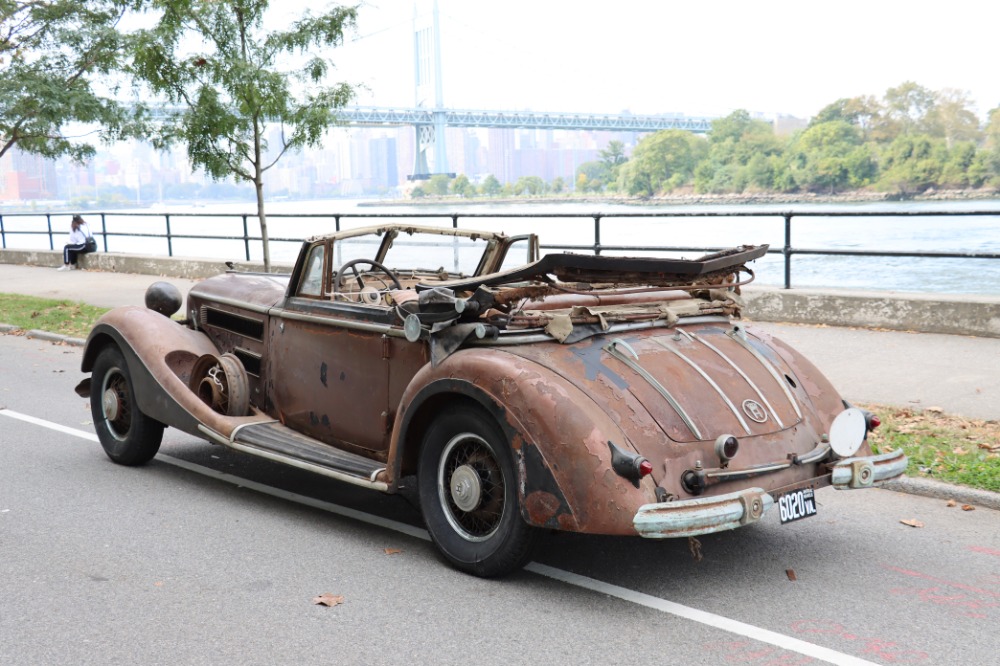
<point x="259" y="187"/>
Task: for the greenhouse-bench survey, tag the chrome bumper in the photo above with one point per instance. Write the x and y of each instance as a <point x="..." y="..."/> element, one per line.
<point x="867" y="471"/>
<point x="705" y="515"/>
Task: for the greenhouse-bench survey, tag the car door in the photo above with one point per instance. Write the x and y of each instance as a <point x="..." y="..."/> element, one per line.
<point x="328" y="362"/>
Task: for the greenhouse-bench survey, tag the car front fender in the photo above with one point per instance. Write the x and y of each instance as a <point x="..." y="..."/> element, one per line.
<point x="160" y="354"/>
<point x="558" y="435"/>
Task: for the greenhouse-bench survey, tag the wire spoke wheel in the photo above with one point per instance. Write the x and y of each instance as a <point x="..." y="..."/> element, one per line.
<point x="128" y="436"/>
<point x="471" y="487"/>
<point x="467" y="482"/>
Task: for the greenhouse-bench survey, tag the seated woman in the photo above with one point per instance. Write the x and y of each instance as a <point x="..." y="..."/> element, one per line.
<point x="80" y="242"/>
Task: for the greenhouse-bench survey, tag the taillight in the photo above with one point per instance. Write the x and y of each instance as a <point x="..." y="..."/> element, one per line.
<point x="645" y="468"/>
<point x="873" y="421"/>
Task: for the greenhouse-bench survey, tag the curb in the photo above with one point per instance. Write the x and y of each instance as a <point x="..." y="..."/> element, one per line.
<point x="905" y="484"/>
<point x="916" y="485"/>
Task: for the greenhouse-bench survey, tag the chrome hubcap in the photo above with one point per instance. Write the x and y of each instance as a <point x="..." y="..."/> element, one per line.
<point x="466" y="488"/>
<point x="110" y="404"/>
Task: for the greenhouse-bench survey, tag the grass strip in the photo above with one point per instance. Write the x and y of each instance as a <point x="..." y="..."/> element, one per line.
<point x="941" y="446"/>
<point x="63" y="317"/>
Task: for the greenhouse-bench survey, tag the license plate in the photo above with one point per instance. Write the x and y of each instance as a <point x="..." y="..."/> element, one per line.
<point x="797" y="505"/>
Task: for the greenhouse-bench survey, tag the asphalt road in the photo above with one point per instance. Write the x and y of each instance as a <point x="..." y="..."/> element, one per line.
<point x="209" y="557"/>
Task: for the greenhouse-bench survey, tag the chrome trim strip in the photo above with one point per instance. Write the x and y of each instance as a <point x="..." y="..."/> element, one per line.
<point x="818" y="453"/>
<point x="642" y="372"/>
<point x="207" y="301"/>
<point x="711" y="382"/>
<point x="384" y="329"/>
<point x="523" y="338"/>
<point x="732" y="364"/>
<point x="770" y="368"/>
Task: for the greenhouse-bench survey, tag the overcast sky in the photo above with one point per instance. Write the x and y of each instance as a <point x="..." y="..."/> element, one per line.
<point x="704" y="57"/>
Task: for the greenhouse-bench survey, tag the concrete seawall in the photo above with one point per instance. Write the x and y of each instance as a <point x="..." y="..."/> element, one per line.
<point x="927" y="313"/>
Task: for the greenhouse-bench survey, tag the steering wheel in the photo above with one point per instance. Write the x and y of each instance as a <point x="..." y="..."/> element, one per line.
<point x="338" y="284"/>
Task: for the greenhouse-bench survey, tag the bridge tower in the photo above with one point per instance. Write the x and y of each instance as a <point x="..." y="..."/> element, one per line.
<point x="429" y="94"/>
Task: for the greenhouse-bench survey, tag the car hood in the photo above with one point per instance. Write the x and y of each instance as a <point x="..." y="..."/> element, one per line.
<point x="256" y="290"/>
<point x="695" y="383"/>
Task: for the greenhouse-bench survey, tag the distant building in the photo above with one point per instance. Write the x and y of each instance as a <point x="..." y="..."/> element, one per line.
<point x="27" y="177"/>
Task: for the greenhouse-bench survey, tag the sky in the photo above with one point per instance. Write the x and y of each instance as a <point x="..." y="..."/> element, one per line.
<point x="697" y="58"/>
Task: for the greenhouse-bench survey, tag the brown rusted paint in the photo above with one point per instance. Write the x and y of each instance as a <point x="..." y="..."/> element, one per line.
<point x="344" y="375"/>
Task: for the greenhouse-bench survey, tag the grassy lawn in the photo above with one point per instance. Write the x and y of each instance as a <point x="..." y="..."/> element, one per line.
<point x="63" y="317"/>
<point x="941" y="446"/>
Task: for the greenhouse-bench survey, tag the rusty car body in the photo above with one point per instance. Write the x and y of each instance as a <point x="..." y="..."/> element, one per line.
<point x="596" y="394"/>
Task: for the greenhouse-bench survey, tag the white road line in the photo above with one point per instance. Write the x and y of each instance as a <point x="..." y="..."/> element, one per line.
<point x="631" y="596"/>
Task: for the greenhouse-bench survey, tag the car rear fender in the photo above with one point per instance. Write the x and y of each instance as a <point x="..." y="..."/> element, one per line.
<point x="160" y="354"/>
<point x="559" y="438"/>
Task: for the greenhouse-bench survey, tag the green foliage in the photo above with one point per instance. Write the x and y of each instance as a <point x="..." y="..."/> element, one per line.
<point x="247" y="94"/>
<point x="491" y="186"/>
<point x="462" y="187"/>
<point x="418" y="193"/>
<point x="51" y="53"/>
<point x="438" y="184"/>
<point x="531" y="185"/>
<point x="595" y="175"/>
<point x="63" y="317"/>
<point x="909" y="141"/>
<point x="558" y="185"/>
<point x="661" y="161"/>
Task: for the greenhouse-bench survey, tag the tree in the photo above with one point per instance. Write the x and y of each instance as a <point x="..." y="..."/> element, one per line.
<point x="462" y="187"/>
<point x="438" y="184"/>
<point x="614" y="154"/>
<point x="596" y="175"/>
<point x="247" y="94"/>
<point x="663" y="160"/>
<point x="51" y="51"/>
<point x="824" y="157"/>
<point x="952" y="119"/>
<point x="558" y="185"/>
<point x="491" y="186"/>
<point x="910" y="107"/>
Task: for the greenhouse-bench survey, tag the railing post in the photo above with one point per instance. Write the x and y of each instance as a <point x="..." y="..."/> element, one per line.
<point x="597" y="233"/>
<point x="3" y="235"/>
<point x="48" y="221"/>
<point x="787" y="251"/>
<point x="104" y="232"/>
<point x="246" y="237"/>
<point x="170" y="240"/>
<point x="454" y="220"/>
<point x="336" y="222"/>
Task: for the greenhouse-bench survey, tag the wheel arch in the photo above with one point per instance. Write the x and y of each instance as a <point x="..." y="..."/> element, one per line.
<point x="559" y="438"/>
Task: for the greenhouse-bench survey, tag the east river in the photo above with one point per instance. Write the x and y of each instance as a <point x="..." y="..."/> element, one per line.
<point x="917" y="233"/>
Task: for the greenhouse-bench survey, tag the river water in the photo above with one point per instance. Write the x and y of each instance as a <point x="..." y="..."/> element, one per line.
<point x="980" y="234"/>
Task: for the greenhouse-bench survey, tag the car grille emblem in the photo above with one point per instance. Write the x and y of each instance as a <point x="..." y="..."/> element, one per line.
<point x="753" y="409"/>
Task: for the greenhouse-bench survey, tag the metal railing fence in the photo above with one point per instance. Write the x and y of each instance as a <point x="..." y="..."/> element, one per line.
<point x="788" y="250"/>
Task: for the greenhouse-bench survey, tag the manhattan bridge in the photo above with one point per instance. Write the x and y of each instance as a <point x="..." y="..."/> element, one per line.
<point x="429" y="118"/>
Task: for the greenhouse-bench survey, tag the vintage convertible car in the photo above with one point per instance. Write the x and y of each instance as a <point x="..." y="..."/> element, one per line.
<point x="597" y="394"/>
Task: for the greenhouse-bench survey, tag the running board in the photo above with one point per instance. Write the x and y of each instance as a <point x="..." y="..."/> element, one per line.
<point x="280" y="443"/>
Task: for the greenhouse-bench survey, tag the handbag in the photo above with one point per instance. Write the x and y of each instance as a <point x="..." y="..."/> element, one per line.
<point x="91" y="244"/>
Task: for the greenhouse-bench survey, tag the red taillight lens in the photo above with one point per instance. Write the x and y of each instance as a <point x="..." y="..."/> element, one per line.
<point x="874" y="422"/>
<point x="645" y="468"/>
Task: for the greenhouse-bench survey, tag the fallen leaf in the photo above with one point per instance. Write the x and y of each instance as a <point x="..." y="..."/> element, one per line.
<point x="952" y="503"/>
<point x="392" y="551"/>
<point x="959" y="451"/>
<point x="968" y="507"/>
<point x="912" y="523"/>
<point x="935" y="410"/>
<point x="791" y="574"/>
<point x="695" y="547"/>
<point x="327" y="599"/>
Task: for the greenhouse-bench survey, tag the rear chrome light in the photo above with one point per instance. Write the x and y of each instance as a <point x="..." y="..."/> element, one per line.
<point x="726" y="447"/>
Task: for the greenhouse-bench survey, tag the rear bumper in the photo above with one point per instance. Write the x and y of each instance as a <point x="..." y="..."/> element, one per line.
<point x="705" y="515"/>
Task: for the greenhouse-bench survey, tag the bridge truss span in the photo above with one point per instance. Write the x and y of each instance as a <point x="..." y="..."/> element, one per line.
<point x="381" y="116"/>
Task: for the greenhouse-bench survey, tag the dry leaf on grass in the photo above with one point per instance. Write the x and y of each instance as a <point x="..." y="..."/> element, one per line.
<point x="791" y="574"/>
<point x="912" y="523"/>
<point x="328" y="599"/>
